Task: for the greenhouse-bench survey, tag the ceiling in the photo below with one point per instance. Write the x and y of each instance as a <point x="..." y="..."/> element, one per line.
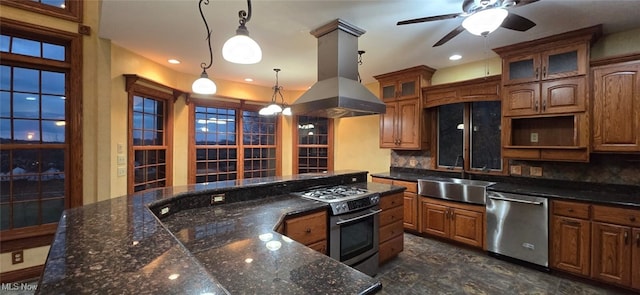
<point x="164" y="29"/>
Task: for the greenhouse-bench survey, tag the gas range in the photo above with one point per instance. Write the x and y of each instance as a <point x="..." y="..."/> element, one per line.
<point x="342" y="199"/>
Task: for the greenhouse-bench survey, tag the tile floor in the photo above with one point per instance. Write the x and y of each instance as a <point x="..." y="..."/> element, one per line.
<point x="430" y="266"/>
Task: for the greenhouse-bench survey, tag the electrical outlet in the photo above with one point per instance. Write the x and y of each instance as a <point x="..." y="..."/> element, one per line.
<point x="17" y="257"/>
<point x="516" y="170"/>
<point x="413" y="162"/>
<point x="535" y="171"/>
<point x="122" y="171"/>
<point x="164" y="210"/>
<point x="534" y="137"/>
<point x="217" y="198"/>
<point x="121" y="160"/>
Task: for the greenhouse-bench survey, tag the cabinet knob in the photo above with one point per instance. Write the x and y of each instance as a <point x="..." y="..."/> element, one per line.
<point x="537" y="73"/>
<point x="544" y="72"/>
<point x="308" y="230"/>
<point x="632" y="218"/>
<point x="570" y="210"/>
<point x="638" y="240"/>
<point x="626" y="238"/>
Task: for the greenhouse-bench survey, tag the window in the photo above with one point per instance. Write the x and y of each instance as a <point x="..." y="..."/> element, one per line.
<point x="313" y="144"/>
<point x="65" y="9"/>
<point x="39" y="91"/>
<point x="469" y="131"/>
<point x="218" y="155"/>
<point x="150" y="122"/>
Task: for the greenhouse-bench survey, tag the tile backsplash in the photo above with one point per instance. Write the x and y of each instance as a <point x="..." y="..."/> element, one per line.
<point x="602" y="168"/>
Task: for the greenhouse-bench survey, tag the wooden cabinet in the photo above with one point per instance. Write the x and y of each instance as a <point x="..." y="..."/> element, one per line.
<point x="391" y="227"/>
<point x="545" y="97"/>
<point x="403" y="125"/>
<point x="596" y="241"/>
<point x="552" y="97"/>
<point x="564" y="61"/>
<point x="410" y="201"/>
<point x="570" y="237"/>
<point x="459" y="222"/>
<point x="309" y="229"/>
<point x="616" y="107"/>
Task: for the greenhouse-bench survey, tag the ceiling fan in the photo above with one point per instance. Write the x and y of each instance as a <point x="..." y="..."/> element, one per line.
<point x="482" y="17"/>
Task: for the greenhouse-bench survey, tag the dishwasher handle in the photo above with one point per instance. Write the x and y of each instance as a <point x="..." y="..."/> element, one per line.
<point x="515" y="200"/>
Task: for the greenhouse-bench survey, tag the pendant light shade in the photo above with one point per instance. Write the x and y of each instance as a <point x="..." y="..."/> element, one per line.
<point x="204" y="85"/>
<point x="241" y="49"/>
<point x="484" y="22"/>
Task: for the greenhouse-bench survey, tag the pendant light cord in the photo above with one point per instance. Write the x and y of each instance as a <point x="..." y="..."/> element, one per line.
<point x="203" y="65"/>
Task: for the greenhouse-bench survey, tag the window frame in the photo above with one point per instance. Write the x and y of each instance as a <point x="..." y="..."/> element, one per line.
<point x="296" y="145"/>
<point x="138" y="86"/>
<point x="72" y="11"/>
<point x="239" y="105"/>
<point x="41" y="235"/>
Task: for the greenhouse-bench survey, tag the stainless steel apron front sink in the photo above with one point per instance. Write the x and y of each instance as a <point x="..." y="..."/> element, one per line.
<point x="455" y="189"/>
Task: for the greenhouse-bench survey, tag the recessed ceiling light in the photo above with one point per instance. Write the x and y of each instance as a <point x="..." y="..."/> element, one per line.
<point x="173" y="61"/>
<point x="455" y="57"/>
<point x="248" y="80"/>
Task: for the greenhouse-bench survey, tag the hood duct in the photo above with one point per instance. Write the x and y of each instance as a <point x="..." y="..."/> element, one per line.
<point x="337" y="92"/>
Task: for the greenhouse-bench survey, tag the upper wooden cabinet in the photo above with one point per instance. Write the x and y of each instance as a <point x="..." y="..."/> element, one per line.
<point x="481" y="89"/>
<point x="550" y="97"/>
<point x="403" y="126"/>
<point x="616" y="107"/>
<point x="550" y="64"/>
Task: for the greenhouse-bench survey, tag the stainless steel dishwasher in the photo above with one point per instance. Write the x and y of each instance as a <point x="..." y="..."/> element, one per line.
<point x="518" y="227"/>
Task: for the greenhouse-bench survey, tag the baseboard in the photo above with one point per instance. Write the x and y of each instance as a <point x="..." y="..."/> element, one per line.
<point x="21" y="274"/>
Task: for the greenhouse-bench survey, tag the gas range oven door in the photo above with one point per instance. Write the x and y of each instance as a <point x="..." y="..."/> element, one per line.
<point x="353" y="239"/>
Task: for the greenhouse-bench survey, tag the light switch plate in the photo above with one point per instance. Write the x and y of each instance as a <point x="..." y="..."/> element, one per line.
<point x="122" y="171"/>
<point x="535" y="171"/>
<point x="534" y="137"/>
<point x="121" y="160"/>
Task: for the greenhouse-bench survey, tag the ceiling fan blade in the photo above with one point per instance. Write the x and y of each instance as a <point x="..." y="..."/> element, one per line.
<point x="449" y="36"/>
<point x="428" y="19"/>
<point x="525" y="2"/>
<point x="517" y="23"/>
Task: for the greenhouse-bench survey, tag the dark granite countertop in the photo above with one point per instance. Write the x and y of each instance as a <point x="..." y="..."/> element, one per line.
<point x="609" y="194"/>
<point x="120" y="246"/>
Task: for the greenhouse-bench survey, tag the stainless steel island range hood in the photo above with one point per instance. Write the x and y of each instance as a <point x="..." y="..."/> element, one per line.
<point x="337" y="92"/>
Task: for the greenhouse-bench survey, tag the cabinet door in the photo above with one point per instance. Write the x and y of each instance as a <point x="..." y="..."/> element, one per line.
<point x="616" y="108"/>
<point x="564" y="62"/>
<point x="523" y="99"/>
<point x="519" y="69"/>
<point x="635" y="259"/>
<point x="388" y="126"/>
<point x="570" y="244"/>
<point x="388" y="90"/>
<point x="408" y="124"/>
<point x="467" y="226"/>
<point x="610" y="249"/>
<point x="409" y="87"/>
<point x="410" y="211"/>
<point x="307" y="229"/>
<point x="434" y="219"/>
<point x="563" y="96"/>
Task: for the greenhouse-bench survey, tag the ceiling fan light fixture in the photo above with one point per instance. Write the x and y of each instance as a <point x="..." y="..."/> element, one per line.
<point x="484" y="22"/>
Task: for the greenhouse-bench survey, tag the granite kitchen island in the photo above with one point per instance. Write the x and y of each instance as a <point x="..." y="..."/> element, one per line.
<point x="175" y="241"/>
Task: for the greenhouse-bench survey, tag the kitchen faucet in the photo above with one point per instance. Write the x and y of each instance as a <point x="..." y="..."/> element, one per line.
<point x="463" y="173"/>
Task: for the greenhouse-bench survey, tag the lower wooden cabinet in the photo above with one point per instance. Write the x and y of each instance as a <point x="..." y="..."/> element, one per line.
<point x="410" y="203"/>
<point x="310" y="230"/>
<point x="595" y="241"/>
<point x="459" y="222"/>
<point x="391" y="232"/>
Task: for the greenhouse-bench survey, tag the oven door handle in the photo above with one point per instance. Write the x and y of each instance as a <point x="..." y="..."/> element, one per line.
<point x="342" y="221"/>
<point x="515" y="200"/>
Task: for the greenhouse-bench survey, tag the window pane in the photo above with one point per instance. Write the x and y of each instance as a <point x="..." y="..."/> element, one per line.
<point x="53" y="51"/>
<point x="5" y="104"/>
<point x="53" y="83"/>
<point x="485" y="135"/>
<point x="26" y="106"/>
<point x="26" y="80"/>
<point x="53" y="107"/>
<point x="26" y="47"/>
<point x="450" y="135"/>
<point x="53" y="131"/>
<point x="55" y="3"/>
<point x="25" y="214"/>
<point x="5" y="78"/>
<point x="4" y="43"/>
<point x="27" y="130"/>
<point x="52" y="210"/>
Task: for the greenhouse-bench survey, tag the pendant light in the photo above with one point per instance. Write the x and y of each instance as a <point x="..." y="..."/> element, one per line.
<point x="274" y="108"/>
<point x="241" y="49"/>
<point x="204" y="85"/>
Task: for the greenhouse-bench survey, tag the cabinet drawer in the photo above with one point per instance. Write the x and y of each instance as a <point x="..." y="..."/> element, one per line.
<point x="320" y="246"/>
<point x="307" y="229"/>
<point x="382" y="180"/>
<point x="620" y="216"/>
<point x="571" y="209"/>
<point x="412" y="187"/>
<point x="391" y="201"/>
<point x="391" y="248"/>
<point x="392" y="215"/>
<point x="391" y="231"/>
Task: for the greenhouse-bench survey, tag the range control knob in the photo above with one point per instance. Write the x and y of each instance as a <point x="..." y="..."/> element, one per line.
<point x="375" y="199"/>
<point x="342" y="207"/>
